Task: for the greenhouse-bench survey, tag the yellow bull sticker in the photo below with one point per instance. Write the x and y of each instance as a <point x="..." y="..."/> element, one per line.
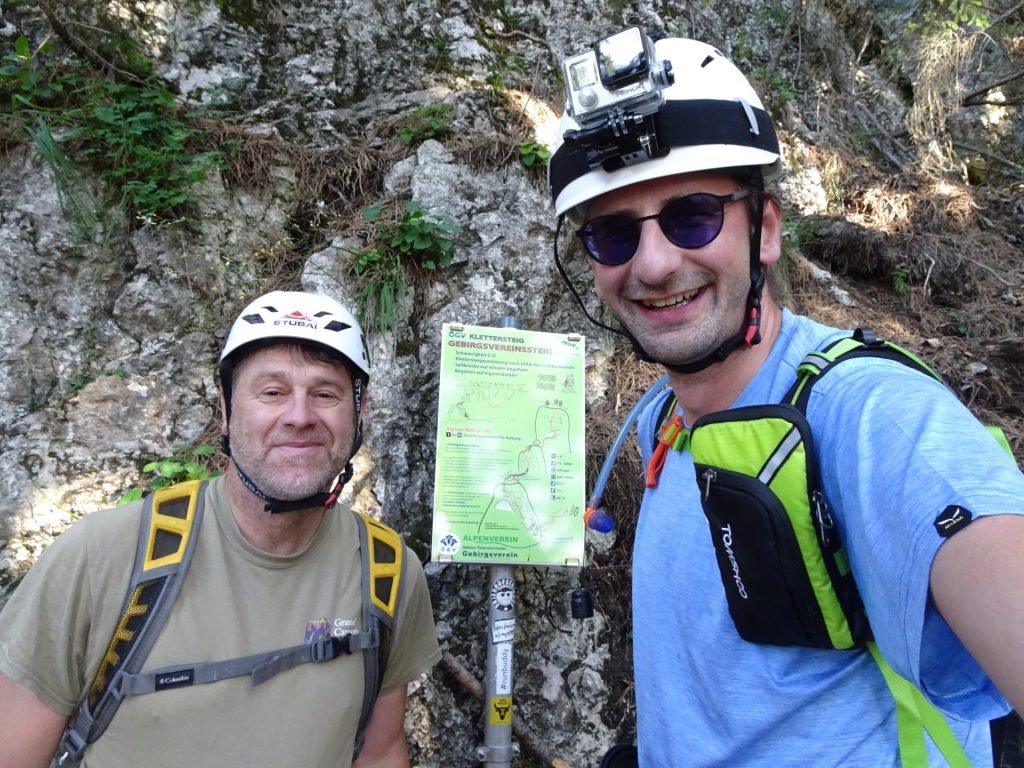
<point x="501" y="710"/>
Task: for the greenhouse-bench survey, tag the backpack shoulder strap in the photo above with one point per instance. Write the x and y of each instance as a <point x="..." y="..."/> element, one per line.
<point x="862" y="343"/>
<point x="170" y="516"/>
<point x="914" y="714"/>
<point x="382" y="563"/>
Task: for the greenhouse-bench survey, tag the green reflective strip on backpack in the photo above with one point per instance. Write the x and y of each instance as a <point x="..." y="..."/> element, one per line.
<point x="789" y="484"/>
<point x="1000" y="437"/>
<point x="914" y="716"/>
<point x="817" y="361"/>
<point x="920" y="363"/>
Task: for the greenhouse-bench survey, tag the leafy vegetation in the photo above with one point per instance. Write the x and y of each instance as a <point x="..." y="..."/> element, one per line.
<point x="382" y="284"/>
<point x="900" y="277"/>
<point x="533" y="154"/>
<point x="82" y="379"/>
<point x="951" y="15"/>
<point x="131" y="134"/>
<point x="417" y="239"/>
<point x="188" y="462"/>
<point x="27" y="83"/>
<point x="430" y="122"/>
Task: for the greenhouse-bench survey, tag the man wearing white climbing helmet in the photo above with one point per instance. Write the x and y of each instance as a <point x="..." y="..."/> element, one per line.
<point x="691" y="112"/>
<point x="780" y="582"/>
<point x="261" y="625"/>
<point x="319" y="329"/>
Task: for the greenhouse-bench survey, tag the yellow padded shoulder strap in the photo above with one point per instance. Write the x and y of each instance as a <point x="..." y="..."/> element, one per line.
<point x="170" y="524"/>
<point x="383" y="557"/>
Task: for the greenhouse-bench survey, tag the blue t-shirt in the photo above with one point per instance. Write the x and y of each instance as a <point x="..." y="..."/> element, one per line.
<point x="892" y="446"/>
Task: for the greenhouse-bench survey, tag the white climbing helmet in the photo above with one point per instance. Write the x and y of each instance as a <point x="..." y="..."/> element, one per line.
<point x="296" y="317"/>
<point x="711" y="118"/>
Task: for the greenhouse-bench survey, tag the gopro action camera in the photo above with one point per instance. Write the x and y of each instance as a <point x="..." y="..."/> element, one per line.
<point x="618" y="74"/>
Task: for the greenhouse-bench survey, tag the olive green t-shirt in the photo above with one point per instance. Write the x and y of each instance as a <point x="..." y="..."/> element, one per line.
<point x="235" y="601"/>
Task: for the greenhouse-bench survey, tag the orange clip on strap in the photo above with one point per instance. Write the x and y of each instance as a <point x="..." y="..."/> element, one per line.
<point x="667" y="436"/>
<point x="753" y="326"/>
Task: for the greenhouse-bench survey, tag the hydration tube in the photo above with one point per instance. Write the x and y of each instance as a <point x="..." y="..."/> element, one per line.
<point x="593" y="517"/>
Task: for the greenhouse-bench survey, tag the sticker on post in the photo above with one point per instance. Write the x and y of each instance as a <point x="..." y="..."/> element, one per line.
<point x="501" y="710"/>
<point x="503" y="631"/>
<point x="503" y="669"/>
<point x="503" y="595"/>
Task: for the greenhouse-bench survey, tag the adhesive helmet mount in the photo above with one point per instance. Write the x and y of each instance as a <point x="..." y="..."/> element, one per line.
<point x="311" y="320"/>
<point x="682" y="107"/>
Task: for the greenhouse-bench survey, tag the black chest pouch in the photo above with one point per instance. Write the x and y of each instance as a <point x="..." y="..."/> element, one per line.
<point x="786" y="576"/>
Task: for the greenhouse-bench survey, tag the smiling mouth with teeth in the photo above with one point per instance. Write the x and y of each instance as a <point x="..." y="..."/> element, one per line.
<point x="671" y="301"/>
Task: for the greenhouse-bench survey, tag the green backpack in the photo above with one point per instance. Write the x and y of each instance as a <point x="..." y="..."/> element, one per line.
<point x="761" y="494"/>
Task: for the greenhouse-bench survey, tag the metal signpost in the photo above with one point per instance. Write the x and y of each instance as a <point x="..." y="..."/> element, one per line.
<point x="509" y="478"/>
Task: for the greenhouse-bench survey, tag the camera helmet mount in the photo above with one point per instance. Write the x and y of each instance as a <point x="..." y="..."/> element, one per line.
<point x="310" y="320"/>
<point x="614" y="90"/>
<point x="687" y="109"/>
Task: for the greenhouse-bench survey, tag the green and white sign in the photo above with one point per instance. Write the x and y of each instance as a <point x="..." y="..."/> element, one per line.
<point x="509" y="477"/>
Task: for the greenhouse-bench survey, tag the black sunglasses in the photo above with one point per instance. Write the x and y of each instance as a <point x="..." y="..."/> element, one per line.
<point x="692" y="221"/>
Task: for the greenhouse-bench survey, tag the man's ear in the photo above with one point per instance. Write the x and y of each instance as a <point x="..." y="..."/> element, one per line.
<point x="771" y="231"/>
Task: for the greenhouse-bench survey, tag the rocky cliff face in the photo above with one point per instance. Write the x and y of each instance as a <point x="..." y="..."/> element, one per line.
<point x="110" y="326"/>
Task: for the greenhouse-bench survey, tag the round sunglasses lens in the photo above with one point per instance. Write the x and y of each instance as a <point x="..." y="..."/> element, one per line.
<point x="612" y="240"/>
<point x="692" y="221"/>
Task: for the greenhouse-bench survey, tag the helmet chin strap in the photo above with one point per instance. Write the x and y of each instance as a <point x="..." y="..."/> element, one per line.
<point x="749" y="333"/>
<point x="274" y="505"/>
<point x="325" y="500"/>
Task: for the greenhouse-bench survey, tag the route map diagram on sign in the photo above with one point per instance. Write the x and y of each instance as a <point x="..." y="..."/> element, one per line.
<point x="509" y="485"/>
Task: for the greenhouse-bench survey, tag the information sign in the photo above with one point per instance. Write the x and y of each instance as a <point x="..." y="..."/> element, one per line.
<point x="509" y="476"/>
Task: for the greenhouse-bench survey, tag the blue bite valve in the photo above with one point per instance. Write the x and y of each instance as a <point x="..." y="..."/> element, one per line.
<point x="598" y="521"/>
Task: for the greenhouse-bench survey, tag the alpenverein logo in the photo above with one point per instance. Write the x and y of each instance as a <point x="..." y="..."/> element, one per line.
<point x="449" y="544"/>
<point x="952" y="519"/>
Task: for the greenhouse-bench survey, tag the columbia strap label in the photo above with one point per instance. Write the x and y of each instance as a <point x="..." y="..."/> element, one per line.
<point x="174" y="679"/>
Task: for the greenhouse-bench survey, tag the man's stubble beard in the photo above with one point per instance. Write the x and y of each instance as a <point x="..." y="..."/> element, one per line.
<point x="285" y="480"/>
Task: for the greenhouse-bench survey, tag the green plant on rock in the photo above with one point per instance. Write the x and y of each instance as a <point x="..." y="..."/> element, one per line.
<point x="950" y="15"/>
<point x="417" y="239"/>
<point x="134" y="135"/>
<point x="28" y="83"/>
<point x="430" y="122"/>
<point x="188" y="462"/>
<point x="533" y="154"/>
<point x="382" y="285"/>
<point x="130" y="133"/>
<point x="426" y="237"/>
<point x="82" y="379"/>
<point x="775" y="83"/>
<point x="900" y="277"/>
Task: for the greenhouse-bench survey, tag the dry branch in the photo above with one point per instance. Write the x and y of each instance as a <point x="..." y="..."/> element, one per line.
<point x="527" y="738"/>
<point x="966" y="100"/>
<point x="80" y="48"/>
